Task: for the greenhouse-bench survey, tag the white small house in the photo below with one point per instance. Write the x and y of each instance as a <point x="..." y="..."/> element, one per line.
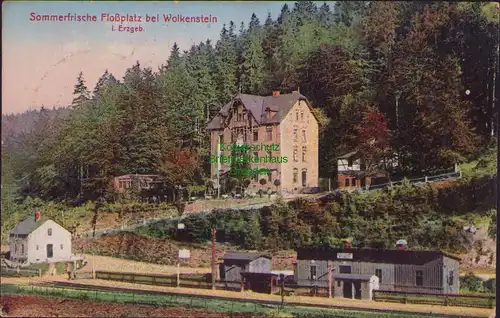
<point x="38" y="239"/>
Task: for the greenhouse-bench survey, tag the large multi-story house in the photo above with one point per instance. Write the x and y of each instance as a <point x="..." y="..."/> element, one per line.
<point x="286" y="120"/>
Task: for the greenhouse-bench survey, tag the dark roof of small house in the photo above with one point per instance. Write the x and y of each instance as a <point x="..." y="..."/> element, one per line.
<point x="240" y="256"/>
<point x="373" y="255"/>
<point x="362" y="277"/>
<point x="258" y="105"/>
<point x="28" y="225"/>
<point x="349" y="155"/>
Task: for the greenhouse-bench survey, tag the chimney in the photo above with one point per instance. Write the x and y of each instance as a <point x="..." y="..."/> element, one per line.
<point x="402" y="245"/>
<point x="37" y="216"/>
<point x="276" y="93"/>
<point x="347" y="244"/>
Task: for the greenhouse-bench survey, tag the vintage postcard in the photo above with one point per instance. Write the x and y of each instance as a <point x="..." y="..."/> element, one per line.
<point x="249" y="158"/>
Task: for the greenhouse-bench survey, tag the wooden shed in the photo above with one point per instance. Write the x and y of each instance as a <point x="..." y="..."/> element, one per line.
<point x="259" y="282"/>
<point x="396" y="270"/>
<point x="235" y="263"/>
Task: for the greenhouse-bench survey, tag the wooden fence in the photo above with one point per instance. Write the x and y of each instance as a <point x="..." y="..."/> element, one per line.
<point x="19" y="272"/>
<point x="203" y="281"/>
<point x="425" y="179"/>
<point x="476" y="301"/>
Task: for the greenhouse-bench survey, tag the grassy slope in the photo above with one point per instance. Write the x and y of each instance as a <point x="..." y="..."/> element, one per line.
<point x="485" y="165"/>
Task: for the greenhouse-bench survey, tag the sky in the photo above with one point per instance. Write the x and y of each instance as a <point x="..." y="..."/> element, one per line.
<point x="41" y="59"/>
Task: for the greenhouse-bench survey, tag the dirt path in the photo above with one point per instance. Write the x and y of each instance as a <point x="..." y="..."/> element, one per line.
<point x="336" y="302"/>
<point x="112" y="264"/>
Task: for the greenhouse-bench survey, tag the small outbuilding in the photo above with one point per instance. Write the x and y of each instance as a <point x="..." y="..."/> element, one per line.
<point x="235" y="263"/>
<point x="259" y="282"/>
<point x="38" y="239"/>
<point x="355" y="286"/>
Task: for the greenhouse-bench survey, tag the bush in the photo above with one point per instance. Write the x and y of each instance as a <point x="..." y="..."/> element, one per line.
<point x="428" y="218"/>
<point x="471" y="283"/>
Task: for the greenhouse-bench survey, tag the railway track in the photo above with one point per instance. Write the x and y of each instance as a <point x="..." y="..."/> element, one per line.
<point x="271" y="303"/>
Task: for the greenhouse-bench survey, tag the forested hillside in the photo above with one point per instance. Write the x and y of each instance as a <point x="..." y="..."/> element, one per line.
<point x="396" y="71"/>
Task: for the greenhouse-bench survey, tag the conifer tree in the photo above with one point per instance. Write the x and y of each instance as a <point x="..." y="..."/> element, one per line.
<point x="81" y="93"/>
<point x="226" y="66"/>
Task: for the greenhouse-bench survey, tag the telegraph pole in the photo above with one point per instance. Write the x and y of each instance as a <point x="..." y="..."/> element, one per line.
<point x="282" y="289"/>
<point x="214" y="263"/>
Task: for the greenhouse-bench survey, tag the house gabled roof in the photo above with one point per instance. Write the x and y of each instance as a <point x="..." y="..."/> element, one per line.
<point x="407" y="257"/>
<point x="27" y="226"/>
<point x="240" y="256"/>
<point x="257" y="105"/>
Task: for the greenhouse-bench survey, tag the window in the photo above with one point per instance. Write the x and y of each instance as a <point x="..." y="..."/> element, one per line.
<point x="378" y="273"/>
<point x="120" y="184"/>
<point x="304" y="177"/>
<point x="49" y="232"/>
<point x="295" y="133"/>
<point x="353" y="182"/>
<point x="338" y="283"/>
<point x="313" y="272"/>
<point x="304" y="150"/>
<point x="269" y="133"/>
<point x="303" y="135"/>
<point x="347" y="182"/>
<point x="450" y="278"/>
<point x="301" y="115"/>
<point x="37" y="247"/>
<point x="295" y="154"/>
<point x="255" y="135"/>
<point x="22" y="249"/>
<point x="345" y="269"/>
<point x="419" y="278"/>
<point x="240" y="116"/>
<point x="297" y="115"/>
<point x="62" y="247"/>
<point x="295" y="175"/>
